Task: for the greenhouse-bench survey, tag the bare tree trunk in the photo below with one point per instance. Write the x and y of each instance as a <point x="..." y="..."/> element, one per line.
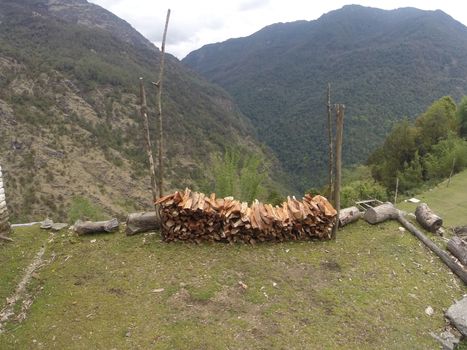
<point x="144" y="114"/>
<point x="160" y="144"/>
<point x="339" y="135"/>
<point x="142" y="222"/>
<point x="445" y="257"/>
<point x="84" y="227"/>
<point x="427" y="218"/>
<point x="388" y="211"/>
<point x="349" y="215"/>
<point x="381" y="213"/>
<point x="331" y="153"/>
<point x="458" y="248"/>
<point x="397" y="190"/>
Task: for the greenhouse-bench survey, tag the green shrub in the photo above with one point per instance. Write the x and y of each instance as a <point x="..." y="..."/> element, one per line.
<point x="361" y="190"/>
<point x="440" y="160"/>
<point x="81" y="208"/>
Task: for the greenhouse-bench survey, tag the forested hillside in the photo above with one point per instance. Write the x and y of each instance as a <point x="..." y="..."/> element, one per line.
<point x="70" y="130"/>
<point x="383" y="65"/>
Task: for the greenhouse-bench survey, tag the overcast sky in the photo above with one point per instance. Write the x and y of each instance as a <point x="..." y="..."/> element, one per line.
<point x="194" y="23"/>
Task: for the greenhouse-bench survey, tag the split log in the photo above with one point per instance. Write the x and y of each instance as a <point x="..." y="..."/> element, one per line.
<point x="85" y="227"/>
<point x="349" y="215"/>
<point x="194" y="217"/>
<point x="142" y="222"/>
<point x="427" y="218"/>
<point x="381" y="213"/>
<point x="458" y="248"/>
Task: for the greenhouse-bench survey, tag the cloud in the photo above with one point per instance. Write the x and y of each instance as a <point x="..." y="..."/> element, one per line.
<point x="252" y="5"/>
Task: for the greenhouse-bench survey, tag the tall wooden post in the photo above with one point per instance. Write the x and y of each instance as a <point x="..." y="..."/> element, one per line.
<point x="4" y="217"/>
<point x="331" y="155"/>
<point x="147" y="137"/>
<point x="397" y="190"/>
<point x="452" y="171"/>
<point x="337" y="183"/>
<point x="160" y="143"/>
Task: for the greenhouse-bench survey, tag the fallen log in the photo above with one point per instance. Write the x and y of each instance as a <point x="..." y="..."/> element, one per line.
<point x="383" y="212"/>
<point x="142" y="222"/>
<point x="458" y="248"/>
<point x="460" y="231"/>
<point x="427" y="218"/>
<point x="349" y="215"/>
<point x="391" y="212"/>
<point x="8" y="239"/>
<point x="85" y="227"/>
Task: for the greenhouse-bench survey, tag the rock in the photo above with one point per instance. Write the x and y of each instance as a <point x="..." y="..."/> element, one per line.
<point x="448" y="340"/>
<point x="401" y="229"/>
<point x="47" y="224"/>
<point x="457" y="314"/>
<point x="243" y="285"/>
<point x="59" y="226"/>
<point x="429" y="311"/>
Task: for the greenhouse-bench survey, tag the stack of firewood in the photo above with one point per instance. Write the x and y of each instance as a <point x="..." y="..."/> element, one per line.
<point x="195" y="217"/>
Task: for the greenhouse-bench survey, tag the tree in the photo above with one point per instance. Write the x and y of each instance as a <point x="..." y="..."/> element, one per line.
<point x="437" y="122"/>
<point x="446" y="153"/>
<point x="238" y="174"/>
<point x="462" y="117"/>
<point x="397" y="151"/>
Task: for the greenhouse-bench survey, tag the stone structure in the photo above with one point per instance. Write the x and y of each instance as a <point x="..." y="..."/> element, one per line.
<point x="4" y="218"/>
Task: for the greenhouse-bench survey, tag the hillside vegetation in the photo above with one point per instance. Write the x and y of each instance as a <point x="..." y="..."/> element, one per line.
<point x="383" y="65"/>
<point x="69" y="120"/>
<point x="426" y="151"/>
<point x="367" y="290"/>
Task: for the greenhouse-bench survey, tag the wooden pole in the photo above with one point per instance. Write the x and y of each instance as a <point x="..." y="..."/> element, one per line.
<point x="397" y="189"/>
<point x="331" y="155"/>
<point x="160" y="143"/>
<point x="456" y="268"/>
<point x="452" y="171"/>
<point x="388" y="211"/>
<point x="147" y="137"/>
<point x="337" y="183"/>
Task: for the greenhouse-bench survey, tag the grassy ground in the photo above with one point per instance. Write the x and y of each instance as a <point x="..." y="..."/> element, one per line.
<point x="450" y="201"/>
<point x="367" y="290"/>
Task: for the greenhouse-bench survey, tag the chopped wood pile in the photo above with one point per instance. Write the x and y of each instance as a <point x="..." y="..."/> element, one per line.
<point x="195" y="217"/>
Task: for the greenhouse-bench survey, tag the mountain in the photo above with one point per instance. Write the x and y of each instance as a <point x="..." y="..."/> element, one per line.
<point x="383" y="65"/>
<point x="69" y="116"/>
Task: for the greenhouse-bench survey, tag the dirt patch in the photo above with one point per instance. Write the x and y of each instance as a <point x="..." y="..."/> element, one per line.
<point x="116" y="291"/>
<point x="331" y="266"/>
<point x="21" y="294"/>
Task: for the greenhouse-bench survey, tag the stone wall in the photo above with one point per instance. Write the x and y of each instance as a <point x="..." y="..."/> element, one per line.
<point x="4" y="218"/>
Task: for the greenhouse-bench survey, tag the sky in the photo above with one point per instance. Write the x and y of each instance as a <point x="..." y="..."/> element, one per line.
<point x="194" y="23"/>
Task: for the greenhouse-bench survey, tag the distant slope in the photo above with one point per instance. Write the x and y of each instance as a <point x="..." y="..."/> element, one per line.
<point x="69" y="119"/>
<point x="383" y="65"/>
<point x="450" y="202"/>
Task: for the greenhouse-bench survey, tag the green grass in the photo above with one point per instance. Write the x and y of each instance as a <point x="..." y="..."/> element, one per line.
<point x="367" y="290"/>
<point x="450" y="202"/>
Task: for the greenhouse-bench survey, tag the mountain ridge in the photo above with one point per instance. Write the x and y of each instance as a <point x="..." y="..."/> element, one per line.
<point x="69" y="116"/>
<point x="383" y="65"/>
